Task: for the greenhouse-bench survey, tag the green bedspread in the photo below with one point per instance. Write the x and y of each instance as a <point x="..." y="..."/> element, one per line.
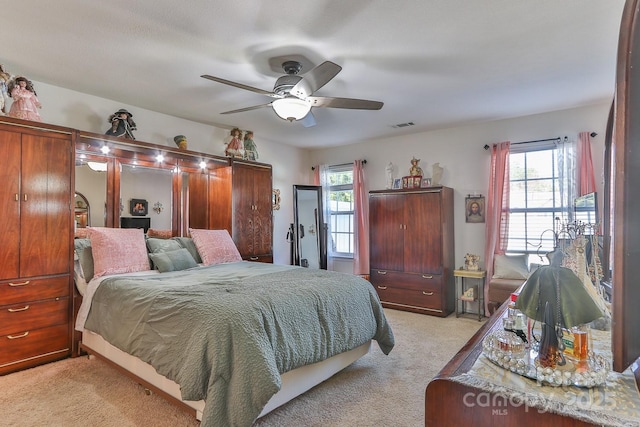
<point x="225" y="333"/>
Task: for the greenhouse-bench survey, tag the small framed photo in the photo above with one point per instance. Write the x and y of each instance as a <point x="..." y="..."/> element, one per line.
<point x="138" y="207"/>
<point x="397" y="183"/>
<point x="426" y="182"/>
<point x="474" y="209"/>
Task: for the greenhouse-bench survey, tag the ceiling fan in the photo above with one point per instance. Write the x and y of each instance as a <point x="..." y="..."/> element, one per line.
<point x="292" y="93"/>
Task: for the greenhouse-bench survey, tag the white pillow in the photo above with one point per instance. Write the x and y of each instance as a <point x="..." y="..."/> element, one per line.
<point x="510" y="267"/>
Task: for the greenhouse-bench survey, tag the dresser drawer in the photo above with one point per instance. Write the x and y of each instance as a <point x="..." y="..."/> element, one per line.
<point x="33" y="315"/>
<point x="18" y="291"/>
<point x="259" y="258"/>
<point x="32" y="344"/>
<point x="430" y="301"/>
<point x="413" y="281"/>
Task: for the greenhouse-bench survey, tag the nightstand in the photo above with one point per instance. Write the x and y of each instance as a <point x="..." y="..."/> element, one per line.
<point x="462" y="287"/>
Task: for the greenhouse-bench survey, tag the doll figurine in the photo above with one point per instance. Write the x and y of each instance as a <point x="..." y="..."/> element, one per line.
<point x="122" y="124"/>
<point x="415" y="170"/>
<point x="5" y="78"/>
<point x="234" y="144"/>
<point x="25" y="102"/>
<point x="250" y="149"/>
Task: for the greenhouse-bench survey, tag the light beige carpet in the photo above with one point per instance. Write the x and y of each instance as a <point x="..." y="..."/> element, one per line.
<point x="377" y="390"/>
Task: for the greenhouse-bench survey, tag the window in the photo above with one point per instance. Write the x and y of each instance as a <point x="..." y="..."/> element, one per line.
<point x="535" y="200"/>
<point x="339" y="182"/>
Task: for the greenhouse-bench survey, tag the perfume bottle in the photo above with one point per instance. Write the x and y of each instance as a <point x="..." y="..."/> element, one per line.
<point x="576" y="342"/>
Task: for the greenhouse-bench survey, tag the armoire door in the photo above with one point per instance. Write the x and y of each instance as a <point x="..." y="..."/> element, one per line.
<point x="45" y="206"/>
<point x="386" y="223"/>
<point x="263" y="211"/>
<point x="10" y="148"/>
<point x="423" y="233"/>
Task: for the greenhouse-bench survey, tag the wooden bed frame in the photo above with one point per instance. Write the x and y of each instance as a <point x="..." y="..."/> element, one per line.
<point x="294" y="382"/>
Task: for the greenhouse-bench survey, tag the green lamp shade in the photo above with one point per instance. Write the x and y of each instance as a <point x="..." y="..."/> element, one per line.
<point x="558" y="286"/>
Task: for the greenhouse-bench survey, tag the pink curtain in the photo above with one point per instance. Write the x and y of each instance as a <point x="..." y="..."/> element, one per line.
<point x="361" y="220"/>
<point x="497" y="207"/>
<point x="316" y="175"/>
<point x="586" y="178"/>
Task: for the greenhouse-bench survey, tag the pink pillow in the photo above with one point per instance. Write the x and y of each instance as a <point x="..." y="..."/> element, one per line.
<point x="118" y="250"/>
<point x="215" y="246"/>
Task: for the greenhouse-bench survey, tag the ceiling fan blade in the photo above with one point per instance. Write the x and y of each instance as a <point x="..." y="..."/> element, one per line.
<point x="315" y="79"/>
<point x="351" y="103"/>
<point x="240" y="110"/>
<point x="309" y="120"/>
<point x="240" y="85"/>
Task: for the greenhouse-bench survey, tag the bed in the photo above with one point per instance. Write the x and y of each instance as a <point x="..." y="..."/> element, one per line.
<point x="233" y="339"/>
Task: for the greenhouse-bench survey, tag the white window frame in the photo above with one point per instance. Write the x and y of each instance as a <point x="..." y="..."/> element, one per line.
<point x="332" y="215"/>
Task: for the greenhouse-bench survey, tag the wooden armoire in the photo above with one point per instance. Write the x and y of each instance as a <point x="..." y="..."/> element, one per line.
<point x="412" y="249"/>
<point x="36" y="199"/>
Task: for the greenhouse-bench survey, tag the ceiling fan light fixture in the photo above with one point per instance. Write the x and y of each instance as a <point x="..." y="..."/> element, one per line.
<point x="291" y="108"/>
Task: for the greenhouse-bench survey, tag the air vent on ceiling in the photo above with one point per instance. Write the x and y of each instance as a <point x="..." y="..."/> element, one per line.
<point x="403" y="125"/>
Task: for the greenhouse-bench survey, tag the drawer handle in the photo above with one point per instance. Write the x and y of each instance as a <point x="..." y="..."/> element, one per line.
<point x="382" y="272"/>
<point x="19" y="284"/>
<point x="15" y="310"/>
<point x="382" y="287"/>
<point x="427" y="276"/>
<point x="254" y="258"/>
<point x="13" y="337"/>
<point x="427" y="293"/>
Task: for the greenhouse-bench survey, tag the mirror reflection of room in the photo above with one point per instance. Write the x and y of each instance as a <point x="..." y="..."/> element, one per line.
<point x="91" y="183"/>
<point x="149" y="184"/>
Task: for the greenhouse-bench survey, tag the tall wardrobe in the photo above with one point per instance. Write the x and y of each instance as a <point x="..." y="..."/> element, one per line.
<point x="412" y="249"/>
<point x="36" y="227"/>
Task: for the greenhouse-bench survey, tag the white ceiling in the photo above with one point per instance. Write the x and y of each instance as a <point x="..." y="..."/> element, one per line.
<point x="436" y="63"/>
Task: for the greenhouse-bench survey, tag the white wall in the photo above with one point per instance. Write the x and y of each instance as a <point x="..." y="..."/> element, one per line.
<point x="76" y="110"/>
<point x="466" y="163"/>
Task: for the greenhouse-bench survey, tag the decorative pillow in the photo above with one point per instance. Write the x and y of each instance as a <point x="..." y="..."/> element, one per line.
<point x="510" y="267"/>
<point x="179" y="259"/>
<point x="187" y="243"/>
<point x="160" y="234"/>
<point x="215" y="246"/>
<point x="118" y="250"/>
<point x="82" y="233"/>
<point x="85" y="257"/>
<point x="156" y="245"/>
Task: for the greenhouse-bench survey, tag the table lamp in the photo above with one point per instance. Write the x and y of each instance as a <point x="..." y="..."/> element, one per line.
<point x="555" y="296"/>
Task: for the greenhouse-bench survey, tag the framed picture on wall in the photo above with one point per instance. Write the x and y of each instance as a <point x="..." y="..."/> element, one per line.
<point x="474" y="209"/>
<point x="138" y="207"/>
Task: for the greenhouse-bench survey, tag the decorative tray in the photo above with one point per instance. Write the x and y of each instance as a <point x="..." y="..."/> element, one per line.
<point x="588" y="373"/>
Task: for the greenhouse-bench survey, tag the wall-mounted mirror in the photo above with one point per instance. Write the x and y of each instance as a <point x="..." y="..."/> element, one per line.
<point x="91" y="184"/>
<point x="150" y="187"/>
<point x="309" y="234"/>
<point x="82" y="211"/>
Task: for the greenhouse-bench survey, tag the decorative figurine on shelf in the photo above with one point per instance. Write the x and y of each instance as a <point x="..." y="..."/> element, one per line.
<point x="389" y="170"/>
<point x="25" y="102"/>
<point x="5" y="78"/>
<point x="471" y="262"/>
<point x="250" y="149"/>
<point x="234" y="144"/>
<point x="436" y="174"/>
<point x="181" y="141"/>
<point x="122" y="124"/>
<point x="415" y="170"/>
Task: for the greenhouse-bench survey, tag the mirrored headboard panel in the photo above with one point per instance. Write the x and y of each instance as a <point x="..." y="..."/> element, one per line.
<point x="156" y="177"/>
